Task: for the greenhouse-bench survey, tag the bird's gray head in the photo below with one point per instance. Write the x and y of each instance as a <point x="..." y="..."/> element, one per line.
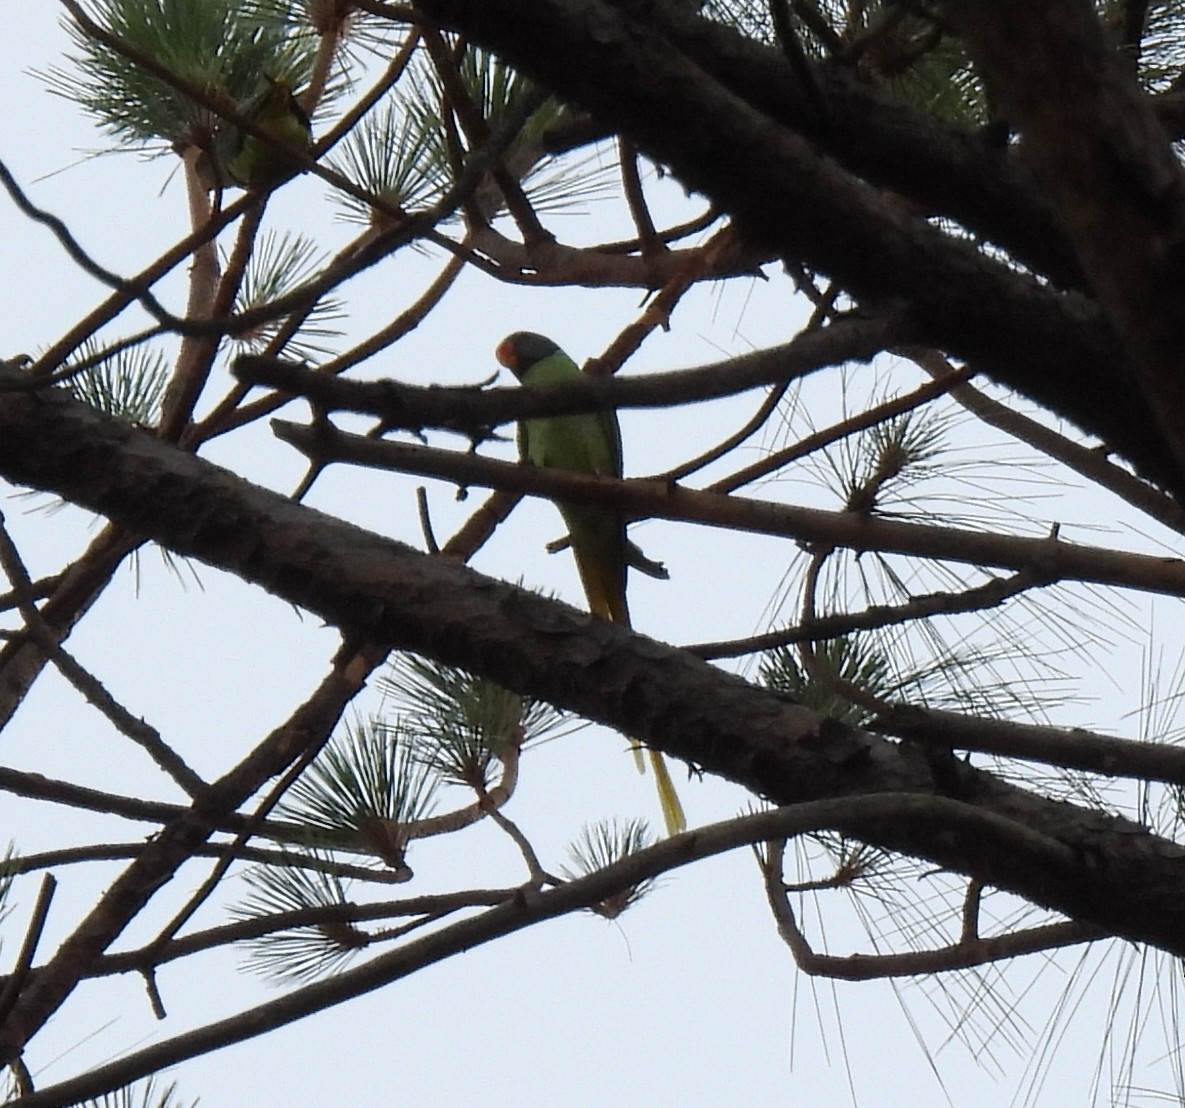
<point x="520" y="351"/>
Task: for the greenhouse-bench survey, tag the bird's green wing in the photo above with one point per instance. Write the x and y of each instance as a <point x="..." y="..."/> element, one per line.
<point x="611" y="429"/>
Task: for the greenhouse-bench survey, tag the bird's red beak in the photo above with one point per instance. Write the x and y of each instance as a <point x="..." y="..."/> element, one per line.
<point x="507" y="354"/>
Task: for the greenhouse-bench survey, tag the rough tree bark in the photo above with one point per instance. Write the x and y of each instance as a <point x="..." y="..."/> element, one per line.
<point x="1093" y="867"/>
<point x="635" y="65"/>
<point x="1076" y="309"/>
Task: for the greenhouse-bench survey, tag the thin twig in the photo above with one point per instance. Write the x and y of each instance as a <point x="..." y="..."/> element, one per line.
<point x="852" y="815"/>
<point x="658" y="312"/>
<point x="862" y="421"/>
<point x="196" y="357"/>
<point x="167" y="851"/>
<point x="539" y="876"/>
<point x="228" y="415"/>
<point x="768" y="406"/>
<point x="479" y="528"/>
<point x="477" y="131"/>
<point x="24" y="960"/>
<point x="965" y="954"/>
<point x="635" y="197"/>
<point x="230" y="851"/>
<point x="425" y="512"/>
<point x="1091" y="463"/>
<point x="145" y="736"/>
<point x="989" y="595"/>
<point x="971" y="905"/>
<point x="80" y="257"/>
<point x="796" y="57"/>
<point x="108" y="852"/>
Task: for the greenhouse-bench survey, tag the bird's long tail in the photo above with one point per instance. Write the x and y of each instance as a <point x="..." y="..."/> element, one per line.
<point x="672" y="810"/>
<point x="668" y="799"/>
<point x="606" y="598"/>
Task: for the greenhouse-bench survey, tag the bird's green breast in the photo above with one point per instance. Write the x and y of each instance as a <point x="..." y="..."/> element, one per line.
<point x="581" y="443"/>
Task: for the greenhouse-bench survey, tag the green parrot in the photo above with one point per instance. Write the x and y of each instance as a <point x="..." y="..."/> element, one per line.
<point x="250" y="162"/>
<point x="586" y="444"/>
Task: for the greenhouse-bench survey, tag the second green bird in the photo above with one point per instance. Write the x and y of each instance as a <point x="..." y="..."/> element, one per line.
<point x="250" y="162"/>
<point x="589" y="443"/>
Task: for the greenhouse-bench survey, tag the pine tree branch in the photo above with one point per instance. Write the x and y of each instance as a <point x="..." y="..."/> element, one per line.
<point x="856" y="815"/>
<point x="1103" y="158"/>
<point x="642" y="498"/>
<point x="472" y="411"/>
<point x="1111" y="872"/>
<point x="632" y="64"/>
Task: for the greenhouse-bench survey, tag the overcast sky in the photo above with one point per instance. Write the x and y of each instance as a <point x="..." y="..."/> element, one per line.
<point x="692" y="999"/>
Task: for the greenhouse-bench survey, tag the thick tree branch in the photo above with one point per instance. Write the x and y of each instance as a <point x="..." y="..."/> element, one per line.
<point x="1102" y="156"/>
<point x="786" y="196"/>
<point x="474" y="411"/>
<point x="1111" y="872"/>
<point x="1074" y="748"/>
<point x="927" y="815"/>
<point x="1048" y="558"/>
<point x="940" y="167"/>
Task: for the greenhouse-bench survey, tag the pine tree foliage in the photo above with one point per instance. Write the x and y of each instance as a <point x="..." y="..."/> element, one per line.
<point x="602" y="844"/>
<point x="368" y="785"/>
<point x="959" y="483"/>
<point x="128" y="385"/>
<point x="301" y="953"/>
<point x="221" y="47"/>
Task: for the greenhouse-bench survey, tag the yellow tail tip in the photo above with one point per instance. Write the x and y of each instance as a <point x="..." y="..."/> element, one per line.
<point x="668" y="799"/>
<point x="672" y="810"/>
<point x="637" y="748"/>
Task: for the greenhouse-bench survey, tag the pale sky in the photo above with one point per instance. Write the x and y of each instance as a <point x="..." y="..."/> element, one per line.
<point x="692" y="999"/>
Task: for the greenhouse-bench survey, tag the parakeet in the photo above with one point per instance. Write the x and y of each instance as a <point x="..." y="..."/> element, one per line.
<point x="251" y="162"/>
<point x="589" y="443"/>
